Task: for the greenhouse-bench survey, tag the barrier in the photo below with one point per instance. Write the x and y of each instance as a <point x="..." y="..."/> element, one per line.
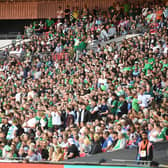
<point x="125" y="157"/>
<point x="30" y="165"/>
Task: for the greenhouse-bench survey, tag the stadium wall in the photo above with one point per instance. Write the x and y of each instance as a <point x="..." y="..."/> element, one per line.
<point x="14" y="26"/>
<point x="45" y="9"/>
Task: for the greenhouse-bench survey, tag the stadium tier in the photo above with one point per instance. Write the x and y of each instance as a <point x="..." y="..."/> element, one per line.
<point x="83" y="83"/>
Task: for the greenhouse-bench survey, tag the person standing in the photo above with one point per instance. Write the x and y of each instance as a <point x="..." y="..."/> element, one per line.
<point x="5" y="126"/>
<point x="122" y="106"/>
<point x="145" y="149"/>
<point x="56" y="118"/>
<point x="84" y="115"/>
<point x="12" y="130"/>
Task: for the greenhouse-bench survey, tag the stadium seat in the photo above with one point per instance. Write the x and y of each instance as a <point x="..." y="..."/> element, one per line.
<point x="103" y="150"/>
<point x="82" y="154"/>
<point x="167" y="137"/>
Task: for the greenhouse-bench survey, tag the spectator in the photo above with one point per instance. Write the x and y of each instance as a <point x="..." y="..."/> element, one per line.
<point x="96" y="146"/>
<point x="121" y="143"/>
<point x="5" y="126"/>
<point x="145" y="149"/>
<point x="72" y="151"/>
<point x="107" y="141"/>
<point x="58" y="155"/>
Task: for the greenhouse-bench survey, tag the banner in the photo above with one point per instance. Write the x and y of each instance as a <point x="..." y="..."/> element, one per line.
<point x="29" y="165"/>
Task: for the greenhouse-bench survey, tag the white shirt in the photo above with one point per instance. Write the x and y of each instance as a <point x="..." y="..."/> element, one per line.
<point x="18" y="97"/>
<point x="2" y="69"/>
<point x="11" y="132"/>
<point x="37" y="75"/>
<point x="82" y="115"/>
<point x="165" y="50"/>
<point x="144" y="100"/>
<point x="64" y="145"/>
<point x="77" y="117"/>
<point x="16" y="52"/>
<point x="56" y="118"/>
<point x="109" y="100"/>
<point x="96" y="108"/>
<point x="155" y="48"/>
<point x="153" y="135"/>
<point x="102" y="81"/>
<point x="43" y="122"/>
<point x="32" y="122"/>
<point x="144" y="11"/>
<point x="31" y="94"/>
<point x="103" y="33"/>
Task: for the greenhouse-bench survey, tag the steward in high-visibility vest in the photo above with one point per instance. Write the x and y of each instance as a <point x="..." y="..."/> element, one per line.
<point x="145" y="149"/>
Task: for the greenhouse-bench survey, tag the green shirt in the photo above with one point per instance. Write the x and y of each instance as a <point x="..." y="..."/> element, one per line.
<point x="163" y="132"/>
<point x="37" y="118"/>
<point x="161" y="136"/>
<point x="148" y="66"/>
<point x="127" y="68"/>
<point x="82" y="46"/>
<point x="49" y="22"/>
<point x="126" y="7"/>
<point x="150" y="60"/>
<point x="71" y="81"/>
<point x="164" y="65"/>
<point x="135" y="104"/>
<point x="0" y="152"/>
<point x="119" y="144"/>
<point x="50" y="122"/>
<point x="114" y="108"/>
<point x="119" y="104"/>
<point x="88" y="107"/>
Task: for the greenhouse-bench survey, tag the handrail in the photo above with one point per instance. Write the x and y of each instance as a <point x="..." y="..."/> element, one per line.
<point x="18" y="41"/>
<point x="8" y="45"/>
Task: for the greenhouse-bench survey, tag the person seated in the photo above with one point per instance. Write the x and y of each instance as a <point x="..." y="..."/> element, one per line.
<point x="107" y="141"/>
<point x="96" y="146"/>
<point x="112" y="31"/>
<point x="16" y="52"/>
<point x="72" y="150"/>
<point x="121" y="143"/>
<point x="58" y="155"/>
<point x="103" y="34"/>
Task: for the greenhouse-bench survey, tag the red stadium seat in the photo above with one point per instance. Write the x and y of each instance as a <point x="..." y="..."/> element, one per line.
<point x="82" y="154"/>
<point x="167" y="137"/>
<point x="103" y="150"/>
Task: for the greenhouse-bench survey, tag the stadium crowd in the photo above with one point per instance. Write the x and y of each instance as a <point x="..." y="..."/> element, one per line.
<point x="94" y="101"/>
